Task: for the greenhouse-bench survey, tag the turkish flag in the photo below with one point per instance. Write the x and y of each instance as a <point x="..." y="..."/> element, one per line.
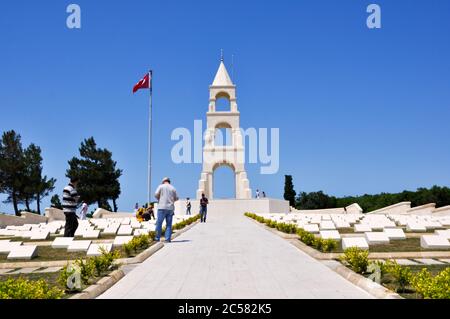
<point x="144" y="83"/>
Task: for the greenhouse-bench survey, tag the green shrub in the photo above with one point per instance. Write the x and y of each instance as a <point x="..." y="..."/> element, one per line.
<point x="429" y="287"/>
<point x="328" y="245"/>
<point x="402" y="275"/>
<point x="27" y="289"/>
<point x="317" y="243"/>
<point x="104" y="262"/>
<point x="137" y="243"/>
<point x="356" y="258"/>
<point x="128" y="248"/>
<point x="307" y="238"/>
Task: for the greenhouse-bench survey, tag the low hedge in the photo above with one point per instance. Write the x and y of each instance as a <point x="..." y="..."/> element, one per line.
<point x="429" y="287"/>
<point x="138" y="243"/>
<point x="356" y="258"/>
<point x="323" y="245"/>
<point x="28" y="289"/>
<point x="186" y="222"/>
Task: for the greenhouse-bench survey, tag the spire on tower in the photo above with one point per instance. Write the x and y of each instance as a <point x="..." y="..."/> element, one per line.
<point x="221" y="55"/>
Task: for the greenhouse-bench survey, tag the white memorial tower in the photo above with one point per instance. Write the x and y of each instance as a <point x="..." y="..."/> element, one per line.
<point x="232" y="155"/>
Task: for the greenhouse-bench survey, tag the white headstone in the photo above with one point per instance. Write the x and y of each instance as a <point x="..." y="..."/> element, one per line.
<point x="120" y="240"/>
<point x="40" y="235"/>
<point x="327" y="225"/>
<point x="23" y="252"/>
<point x="415" y="227"/>
<point x="330" y="234"/>
<point x="362" y="228"/>
<point x="395" y="233"/>
<point x="376" y="238"/>
<point x="444" y="233"/>
<point x="95" y="249"/>
<point x="125" y="230"/>
<point x="359" y="242"/>
<point x="79" y="245"/>
<point x="111" y="230"/>
<point x="312" y="228"/>
<point x="6" y="246"/>
<point x="91" y="233"/>
<point x="434" y="242"/>
<point x="62" y="242"/>
<point x="138" y="232"/>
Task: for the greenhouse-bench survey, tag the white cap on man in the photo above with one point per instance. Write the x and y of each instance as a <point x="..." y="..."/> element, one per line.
<point x="166" y="179"/>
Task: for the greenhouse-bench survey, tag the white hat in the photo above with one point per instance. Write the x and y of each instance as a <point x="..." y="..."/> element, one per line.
<point x="166" y="179"/>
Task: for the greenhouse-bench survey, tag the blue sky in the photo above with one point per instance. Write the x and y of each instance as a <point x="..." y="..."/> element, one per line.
<point x="359" y="110"/>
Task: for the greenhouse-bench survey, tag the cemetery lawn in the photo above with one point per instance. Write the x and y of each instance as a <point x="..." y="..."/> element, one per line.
<point x="346" y="230"/>
<point x="47" y="253"/>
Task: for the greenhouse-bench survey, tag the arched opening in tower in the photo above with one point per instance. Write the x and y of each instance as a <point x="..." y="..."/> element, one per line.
<point x="224" y="184"/>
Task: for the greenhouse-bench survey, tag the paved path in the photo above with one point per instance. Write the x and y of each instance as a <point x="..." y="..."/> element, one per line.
<point x="232" y="257"/>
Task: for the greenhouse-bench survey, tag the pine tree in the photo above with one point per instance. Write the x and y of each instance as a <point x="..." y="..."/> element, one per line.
<point x="21" y="173"/>
<point x="289" y="192"/>
<point x="97" y="174"/>
<point x="55" y="202"/>
<point x="35" y="187"/>
<point x="12" y="168"/>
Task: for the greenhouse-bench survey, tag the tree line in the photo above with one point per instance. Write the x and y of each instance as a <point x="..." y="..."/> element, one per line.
<point x="22" y="179"/>
<point x="320" y="200"/>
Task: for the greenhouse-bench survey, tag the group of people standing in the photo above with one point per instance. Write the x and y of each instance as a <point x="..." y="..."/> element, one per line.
<point x="259" y="195"/>
<point x="203" y="207"/>
<point x="166" y="195"/>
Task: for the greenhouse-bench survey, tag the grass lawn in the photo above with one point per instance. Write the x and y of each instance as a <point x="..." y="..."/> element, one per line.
<point x="47" y="253"/>
<point x="346" y="230"/>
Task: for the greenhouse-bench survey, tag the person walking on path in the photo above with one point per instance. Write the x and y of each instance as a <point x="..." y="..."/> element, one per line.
<point x="166" y="195"/>
<point x="83" y="212"/>
<point x="188" y="206"/>
<point x="257" y="194"/>
<point x="70" y="200"/>
<point x="264" y="194"/>
<point x="203" y="208"/>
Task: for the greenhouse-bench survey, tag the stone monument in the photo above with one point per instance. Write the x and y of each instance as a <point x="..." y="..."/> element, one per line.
<point x="232" y="155"/>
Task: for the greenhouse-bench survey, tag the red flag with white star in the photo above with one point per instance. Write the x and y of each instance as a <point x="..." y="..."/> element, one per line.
<point x="144" y="83"/>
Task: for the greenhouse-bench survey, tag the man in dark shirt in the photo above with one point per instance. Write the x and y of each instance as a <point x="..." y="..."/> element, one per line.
<point x="203" y="208"/>
<point x="70" y="204"/>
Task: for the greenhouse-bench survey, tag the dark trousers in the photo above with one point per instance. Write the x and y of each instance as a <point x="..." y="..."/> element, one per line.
<point x="71" y="225"/>
<point x="203" y="211"/>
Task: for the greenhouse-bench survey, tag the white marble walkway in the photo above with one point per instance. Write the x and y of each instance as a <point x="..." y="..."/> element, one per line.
<point x="232" y="257"/>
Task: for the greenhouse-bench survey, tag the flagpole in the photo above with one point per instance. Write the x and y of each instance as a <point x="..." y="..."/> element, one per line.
<point x="149" y="181"/>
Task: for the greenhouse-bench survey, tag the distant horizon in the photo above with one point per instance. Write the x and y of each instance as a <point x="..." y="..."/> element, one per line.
<point x="359" y="111"/>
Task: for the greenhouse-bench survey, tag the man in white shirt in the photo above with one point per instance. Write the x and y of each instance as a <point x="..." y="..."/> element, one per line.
<point x="166" y="195"/>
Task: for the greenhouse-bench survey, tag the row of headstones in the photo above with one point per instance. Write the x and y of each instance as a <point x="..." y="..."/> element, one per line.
<point x="377" y="221"/>
<point x="16" y="250"/>
<point x="87" y="228"/>
<point x="40" y="231"/>
<point x="327" y="230"/>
